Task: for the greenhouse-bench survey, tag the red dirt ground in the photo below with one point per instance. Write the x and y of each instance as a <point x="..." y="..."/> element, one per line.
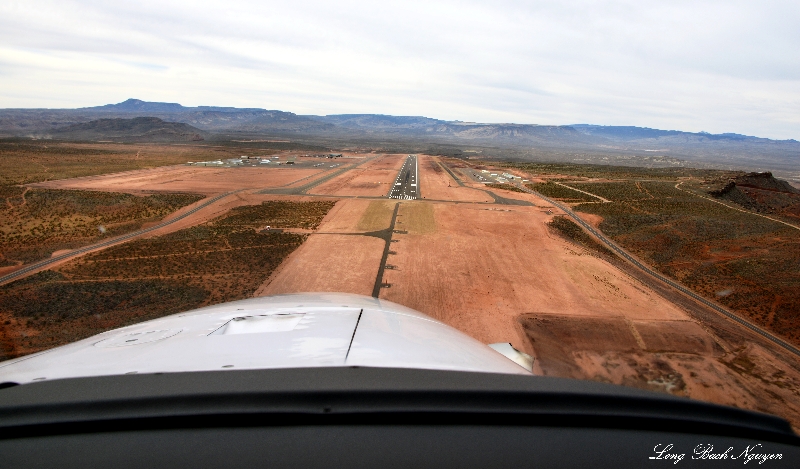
<point x="499" y="274"/>
<point x="591" y="219"/>
<point x="343" y="162"/>
<point x="373" y="178"/>
<point x="331" y="262"/>
<point x="346" y="215"/>
<point x="436" y="183"/>
<point x="328" y="263"/>
<point x="196" y="179"/>
<point x="482" y="268"/>
<point x="476" y="269"/>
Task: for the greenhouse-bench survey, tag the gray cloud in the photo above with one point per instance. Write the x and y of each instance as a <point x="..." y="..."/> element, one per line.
<point x="700" y="65"/>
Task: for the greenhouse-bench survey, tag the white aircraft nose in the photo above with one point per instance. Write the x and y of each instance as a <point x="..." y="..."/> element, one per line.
<point x="285" y="331"/>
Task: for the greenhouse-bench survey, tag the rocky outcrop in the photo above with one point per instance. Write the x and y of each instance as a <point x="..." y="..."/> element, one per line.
<point x="762" y="193"/>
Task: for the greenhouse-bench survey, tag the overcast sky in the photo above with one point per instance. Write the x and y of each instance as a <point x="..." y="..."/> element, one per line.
<point x="718" y="66"/>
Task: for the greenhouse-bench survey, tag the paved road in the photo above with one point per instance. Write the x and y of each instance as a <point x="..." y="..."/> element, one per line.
<point x="613" y="246"/>
<point x="406" y="186"/>
<point x="32" y="268"/>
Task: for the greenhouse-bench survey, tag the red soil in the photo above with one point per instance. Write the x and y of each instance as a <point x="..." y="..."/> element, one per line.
<point x="591" y="219"/>
<point x="345" y="217"/>
<point x="498" y="274"/>
<point x="437" y="184"/>
<point x="373" y="178"/>
<point x="482" y="268"/>
<point x="195" y="179"/>
<point x="328" y="263"/>
<point x="331" y="262"/>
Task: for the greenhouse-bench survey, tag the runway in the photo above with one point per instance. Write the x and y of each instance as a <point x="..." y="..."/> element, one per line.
<point x="406" y="186"/>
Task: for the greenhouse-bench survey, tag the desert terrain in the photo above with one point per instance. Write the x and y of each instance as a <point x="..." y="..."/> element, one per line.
<point x="196" y="179"/>
<point x="492" y="261"/>
<point x="502" y="274"/>
<point x="369" y="179"/>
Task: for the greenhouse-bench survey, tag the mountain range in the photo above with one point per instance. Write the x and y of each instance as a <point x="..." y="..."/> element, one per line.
<point x="578" y="142"/>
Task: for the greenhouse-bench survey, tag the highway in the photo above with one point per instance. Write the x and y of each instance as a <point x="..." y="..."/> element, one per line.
<point x="624" y="254"/>
<point x="32" y="268"/>
<point x="406" y="186"/>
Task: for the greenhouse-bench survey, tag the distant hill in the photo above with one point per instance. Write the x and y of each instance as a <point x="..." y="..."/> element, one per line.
<point x="213" y="118"/>
<point x="372" y="122"/>
<point x="41" y="123"/>
<point x="630" y="133"/>
<point x="137" y="105"/>
<point x="138" y="129"/>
